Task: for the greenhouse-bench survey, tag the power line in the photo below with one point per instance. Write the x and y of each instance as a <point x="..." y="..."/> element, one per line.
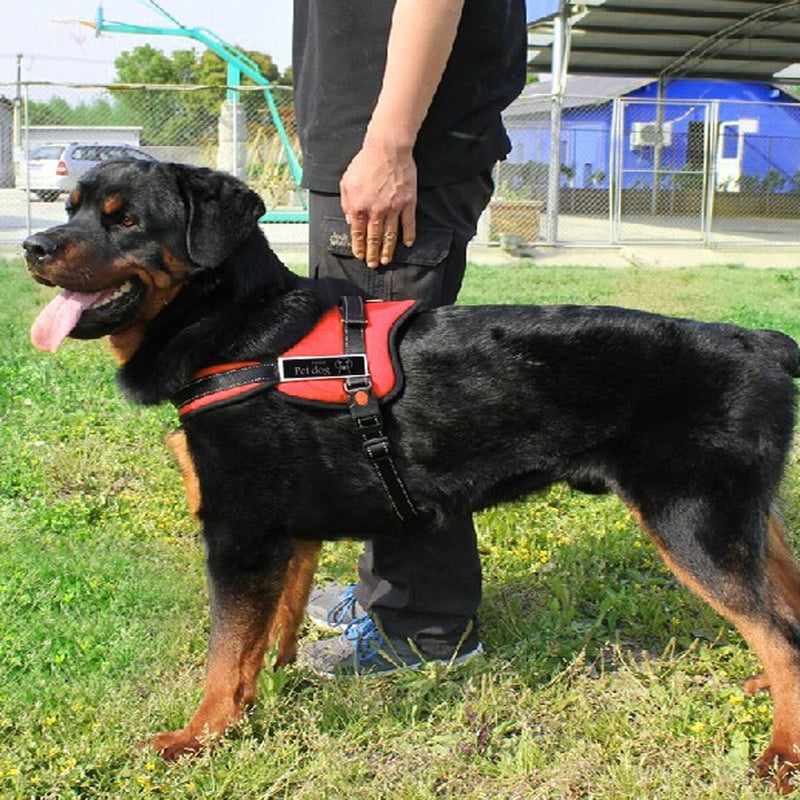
<point x="48" y="57"/>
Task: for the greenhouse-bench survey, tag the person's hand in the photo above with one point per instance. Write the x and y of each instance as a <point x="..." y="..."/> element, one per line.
<point x="379" y="199"/>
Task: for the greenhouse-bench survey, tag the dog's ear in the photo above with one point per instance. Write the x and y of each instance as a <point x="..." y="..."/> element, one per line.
<point x="222" y="212"/>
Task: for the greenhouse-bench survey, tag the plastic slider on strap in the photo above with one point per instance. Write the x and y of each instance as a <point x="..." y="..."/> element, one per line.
<point x="377" y="447"/>
<point x="357" y="383"/>
<point x="353" y="310"/>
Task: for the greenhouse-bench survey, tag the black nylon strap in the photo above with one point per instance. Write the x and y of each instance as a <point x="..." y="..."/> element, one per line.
<point x="265" y="374"/>
<point x="366" y="412"/>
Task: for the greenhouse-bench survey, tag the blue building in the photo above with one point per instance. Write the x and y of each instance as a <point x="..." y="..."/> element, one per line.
<point x="744" y="134"/>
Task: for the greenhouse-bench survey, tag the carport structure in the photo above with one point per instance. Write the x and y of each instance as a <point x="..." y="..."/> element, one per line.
<point x="751" y="40"/>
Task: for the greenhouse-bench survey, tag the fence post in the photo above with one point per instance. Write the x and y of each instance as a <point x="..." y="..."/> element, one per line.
<point x="561" y="35"/>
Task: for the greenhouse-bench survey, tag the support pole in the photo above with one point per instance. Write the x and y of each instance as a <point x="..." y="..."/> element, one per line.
<point x="560" y="60"/>
<point x="657" y="146"/>
<point x="245" y="65"/>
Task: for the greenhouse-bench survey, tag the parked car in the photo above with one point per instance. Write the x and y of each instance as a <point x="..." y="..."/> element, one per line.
<point x="56" y="168"/>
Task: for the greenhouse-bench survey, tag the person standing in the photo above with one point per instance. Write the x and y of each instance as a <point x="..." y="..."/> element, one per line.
<point x="398" y="106"/>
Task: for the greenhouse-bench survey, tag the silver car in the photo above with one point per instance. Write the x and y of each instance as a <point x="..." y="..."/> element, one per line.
<point x="56" y="168"/>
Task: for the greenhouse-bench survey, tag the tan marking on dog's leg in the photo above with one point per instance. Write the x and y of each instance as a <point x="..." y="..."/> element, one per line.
<point x="235" y="658"/>
<point x="782" y="567"/>
<point x="784" y="572"/>
<point x="781" y="660"/>
<point x="292" y="604"/>
<point x="176" y="442"/>
<point x="758" y="683"/>
<point x="238" y="642"/>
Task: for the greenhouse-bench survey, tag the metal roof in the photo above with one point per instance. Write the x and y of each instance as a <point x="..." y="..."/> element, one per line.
<point x="579" y="91"/>
<point x="731" y="39"/>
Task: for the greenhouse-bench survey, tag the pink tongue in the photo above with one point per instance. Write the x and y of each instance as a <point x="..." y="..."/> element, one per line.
<point x="59" y="317"/>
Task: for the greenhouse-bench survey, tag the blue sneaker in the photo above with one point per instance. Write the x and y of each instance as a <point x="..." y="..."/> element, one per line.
<point x="363" y="649"/>
<point x="333" y="607"/>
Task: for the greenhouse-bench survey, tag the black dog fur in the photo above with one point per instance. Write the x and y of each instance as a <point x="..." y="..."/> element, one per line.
<point x="689" y="423"/>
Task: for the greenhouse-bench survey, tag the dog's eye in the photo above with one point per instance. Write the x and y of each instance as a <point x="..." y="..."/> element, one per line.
<point x="128" y="221"/>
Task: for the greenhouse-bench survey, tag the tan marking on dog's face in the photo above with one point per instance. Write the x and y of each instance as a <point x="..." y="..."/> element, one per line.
<point x="113" y="205"/>
<point x="162" y="287"/>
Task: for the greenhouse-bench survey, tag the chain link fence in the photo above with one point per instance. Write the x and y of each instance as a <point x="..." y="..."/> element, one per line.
<point x="625" y="171"/>
<point x="247" y="131"/>
<point x="713" y="172"/>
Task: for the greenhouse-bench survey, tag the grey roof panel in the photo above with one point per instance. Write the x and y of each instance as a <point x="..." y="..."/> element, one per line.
<point x="739" y="39"/>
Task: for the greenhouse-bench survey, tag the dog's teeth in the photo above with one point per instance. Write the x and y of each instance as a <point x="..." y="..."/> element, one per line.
<point x="124" y="289"/>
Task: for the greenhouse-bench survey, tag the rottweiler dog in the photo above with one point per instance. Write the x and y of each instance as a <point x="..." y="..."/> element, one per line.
<point x="689" y="423"/>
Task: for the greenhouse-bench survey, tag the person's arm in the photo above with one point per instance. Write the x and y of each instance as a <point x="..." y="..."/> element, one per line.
<point x="379" y="187"/>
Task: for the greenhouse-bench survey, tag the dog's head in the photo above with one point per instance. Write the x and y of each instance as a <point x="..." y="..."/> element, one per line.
<point x="136" y="232"/>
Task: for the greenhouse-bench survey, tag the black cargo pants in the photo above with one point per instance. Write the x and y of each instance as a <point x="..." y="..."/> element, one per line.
<point x="424" y="587"/>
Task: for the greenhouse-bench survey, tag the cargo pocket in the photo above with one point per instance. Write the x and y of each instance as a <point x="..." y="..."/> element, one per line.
<point x="417" y="272"/>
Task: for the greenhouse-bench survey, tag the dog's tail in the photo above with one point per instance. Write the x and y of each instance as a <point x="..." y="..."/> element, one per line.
<point x="785" y="349"/>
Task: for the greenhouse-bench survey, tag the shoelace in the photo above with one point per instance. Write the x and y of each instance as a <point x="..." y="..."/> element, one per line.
<point x="344" y="607"/>
<point x="364" y="633"/>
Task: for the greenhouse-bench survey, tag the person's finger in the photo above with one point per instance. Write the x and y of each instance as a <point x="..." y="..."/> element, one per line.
<point x="358" y="235"/>
<point x="408" y="222"/>
<point x="374" y="242"/>
<point x="389" y="243"/>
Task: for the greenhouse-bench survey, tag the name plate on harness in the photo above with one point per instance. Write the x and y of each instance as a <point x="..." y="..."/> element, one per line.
<point x="317" y="368"/>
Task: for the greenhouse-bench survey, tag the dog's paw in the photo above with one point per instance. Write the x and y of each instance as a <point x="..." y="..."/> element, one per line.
<point x="756" y="684"/>
<point x="779" y="770"/>
<point x="171" y="745"/>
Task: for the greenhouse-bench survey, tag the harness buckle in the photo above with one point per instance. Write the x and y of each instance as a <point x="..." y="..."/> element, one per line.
<point x="357" y="383"/>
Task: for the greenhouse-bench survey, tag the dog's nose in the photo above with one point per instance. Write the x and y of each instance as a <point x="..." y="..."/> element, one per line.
<point x="39" y="246"/>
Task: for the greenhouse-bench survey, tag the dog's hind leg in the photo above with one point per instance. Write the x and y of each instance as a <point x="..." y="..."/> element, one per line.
<point x="292" y="603"/>
<point x="782" y="665"/>
<point x="755" y="584"/>
<point x="784" y="571"/>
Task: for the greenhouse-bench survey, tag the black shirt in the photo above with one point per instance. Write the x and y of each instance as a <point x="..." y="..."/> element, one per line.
<point x="338" y="63"/>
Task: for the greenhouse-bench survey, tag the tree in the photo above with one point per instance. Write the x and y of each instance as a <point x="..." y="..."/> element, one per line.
<point x="176" y="117"/>
<point x="57" y="111"/>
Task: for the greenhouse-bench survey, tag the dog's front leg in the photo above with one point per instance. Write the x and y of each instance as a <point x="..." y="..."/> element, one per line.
<point x="244" y="599"/>
<point x="291" y="607"/>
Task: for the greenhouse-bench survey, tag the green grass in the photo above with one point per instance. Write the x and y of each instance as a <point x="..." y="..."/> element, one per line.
<point x="603" y="678"/>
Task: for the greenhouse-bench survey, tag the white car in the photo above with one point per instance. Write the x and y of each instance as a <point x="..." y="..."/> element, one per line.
<point x="56" y="168"/>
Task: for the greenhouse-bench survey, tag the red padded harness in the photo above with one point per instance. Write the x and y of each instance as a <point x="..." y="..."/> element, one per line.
<point x="225" y="383"/>
<point x="326" y="339"/>
<point x="347" y="359"/>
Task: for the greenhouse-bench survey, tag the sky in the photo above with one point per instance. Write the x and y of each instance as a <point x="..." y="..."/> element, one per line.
<point x="56" y="48"/>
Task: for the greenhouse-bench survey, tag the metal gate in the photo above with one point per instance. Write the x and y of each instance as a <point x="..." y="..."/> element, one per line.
<point x="661" y="162"/>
